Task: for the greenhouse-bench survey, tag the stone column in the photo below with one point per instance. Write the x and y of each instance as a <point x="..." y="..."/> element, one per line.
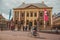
<point x="44" y="22"/>
<point x="25" y="18"/>
<point x="16" y="25"/>
<point x="51" y="18"/>
<point x="38" y="27"/>
<point x="14" y="16"/>
<point x="33" y="19"/>
<point x="19" y="15"/>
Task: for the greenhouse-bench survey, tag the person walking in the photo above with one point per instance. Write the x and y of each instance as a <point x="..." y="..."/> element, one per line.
<point x="23" y="28"/>
<point x="29" y="28"/>
<point x="26" y="28"/>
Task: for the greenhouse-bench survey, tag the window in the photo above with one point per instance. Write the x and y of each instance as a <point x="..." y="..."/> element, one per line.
<point x="27" y="22"/>
<point x="16" y="14"/>
<point x="48" y="23"/>
<point x="48" y="13"/>
<point x="40" y="13"/>
<point x="0" y="18"/>
<point x="35" y="14"/>
<point x="15" y="21"/>
<point x="35" y="22"/>
<point x="27" y="14"/>
<point x="22" y="21"/>
<point x="41" y="22"/>
<point x="31" y="14"/>
<point x="22" y="14"/>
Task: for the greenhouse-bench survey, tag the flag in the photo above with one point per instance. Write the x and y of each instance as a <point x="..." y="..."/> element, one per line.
<point x="10" y="14"/>
<point x="45" y="15"/>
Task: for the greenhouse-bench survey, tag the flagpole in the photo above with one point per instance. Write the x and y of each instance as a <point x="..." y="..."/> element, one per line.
<point x="9" y="19"/>
<point x="44" y="17"/>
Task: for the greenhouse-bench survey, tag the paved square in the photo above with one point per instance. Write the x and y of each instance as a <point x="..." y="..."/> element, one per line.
<point x="20" y="35"/>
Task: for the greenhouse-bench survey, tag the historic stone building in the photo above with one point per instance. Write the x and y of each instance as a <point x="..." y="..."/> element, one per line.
<point x="3" y="22"/>
<point x="56" y="21"/>
<point x="32" y="14"/>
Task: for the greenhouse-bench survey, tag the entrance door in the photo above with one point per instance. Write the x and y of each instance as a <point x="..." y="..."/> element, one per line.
<point x="30" y="25"/>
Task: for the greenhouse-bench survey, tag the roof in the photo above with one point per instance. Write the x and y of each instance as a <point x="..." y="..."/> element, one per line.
<point x="39" y="5"/>
<point x="2" y="17"/>
<point x="58" y="14"/>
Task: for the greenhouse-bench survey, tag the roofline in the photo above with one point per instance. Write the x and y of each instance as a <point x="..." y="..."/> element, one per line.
<point x="31" y="5"/>
<point x="33" y="8"/>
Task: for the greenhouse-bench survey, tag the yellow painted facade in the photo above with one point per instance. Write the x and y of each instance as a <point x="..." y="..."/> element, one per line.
<point x="32" y="14"/>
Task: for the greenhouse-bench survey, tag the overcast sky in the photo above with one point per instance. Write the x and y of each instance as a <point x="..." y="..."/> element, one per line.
<point x="6" y="5"/>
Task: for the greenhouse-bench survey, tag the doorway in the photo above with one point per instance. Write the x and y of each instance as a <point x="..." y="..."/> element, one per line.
<point x="30" y="25"/>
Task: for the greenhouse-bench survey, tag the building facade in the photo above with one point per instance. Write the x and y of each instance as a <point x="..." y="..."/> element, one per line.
<point x="3" y="23"/>
<point x="56" y="21"/>
<point x="32" y="15"/>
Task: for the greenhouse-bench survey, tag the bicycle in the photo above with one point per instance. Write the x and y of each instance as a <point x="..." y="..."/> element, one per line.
<point x="31" y="34"/>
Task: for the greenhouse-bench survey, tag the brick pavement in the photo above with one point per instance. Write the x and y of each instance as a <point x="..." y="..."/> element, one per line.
<point x="20" y="35"/>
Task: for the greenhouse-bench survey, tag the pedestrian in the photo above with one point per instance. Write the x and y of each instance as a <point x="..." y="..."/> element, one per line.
<point x="56" y="30"/>
<point x="23" y="28"/>
<point x="1" y="28"/>
<point x="26" y="28"/>
<point x="29" y="28"/>
<point x="34" y="30"/>
<point x="12" y="27"/>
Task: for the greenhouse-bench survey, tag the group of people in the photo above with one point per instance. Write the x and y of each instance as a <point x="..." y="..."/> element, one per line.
<point x="26" y="28"/>
<point x="33" y="29"/>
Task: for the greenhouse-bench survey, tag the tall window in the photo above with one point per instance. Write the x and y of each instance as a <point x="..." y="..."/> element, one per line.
<point x="16" y="14"/>
<point x="41" y="22"/>
<point x="35" y="22"/>
<point x="27" y="14"/>
<point x="41" y="13"/>
<point x="31" y="14"/>
<point x="48" y="13"/>
<point x="35" y="14"/>
<point x="22" y="14"/>
<point x="27" y="22"/>
<point x="22" y="21"/>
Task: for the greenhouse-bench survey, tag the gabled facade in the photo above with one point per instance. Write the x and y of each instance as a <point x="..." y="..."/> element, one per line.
<point x="29" y="14"/>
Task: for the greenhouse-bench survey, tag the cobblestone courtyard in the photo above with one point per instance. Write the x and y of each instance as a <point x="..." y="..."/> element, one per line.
<point x="20" y="35"/>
